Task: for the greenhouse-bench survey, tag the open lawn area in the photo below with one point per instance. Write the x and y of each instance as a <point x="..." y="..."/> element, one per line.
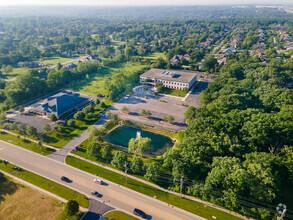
<point x="51" y="61"/>
<point x="155" y="56"/>
<point x="174" y="92"/>
<point x="18" y="201"/>
<point x="118" y="215"/>
<point x="58" y="140"/>
<point x="95" y="84"/>
<point x="46" y="184"/>
<point x="183" y="203"/>
<point x="25" y="143"/>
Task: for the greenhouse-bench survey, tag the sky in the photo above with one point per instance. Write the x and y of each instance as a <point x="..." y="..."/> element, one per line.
<point x="140" y="2"/>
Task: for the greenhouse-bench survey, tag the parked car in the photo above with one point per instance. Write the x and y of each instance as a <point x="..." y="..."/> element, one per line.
<point x="139" y="213"/>
<point x="98" y="181"/>
<point x="65" y="179"/>
<point x="95" y="193"/>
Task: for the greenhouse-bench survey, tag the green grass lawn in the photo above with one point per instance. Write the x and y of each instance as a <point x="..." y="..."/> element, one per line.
<point x="24" y="143"/>
<point x="58" y="140"/>
<point x="46" y="184"/>
<point x="173" y="92"/>
<point x="51" y="61"/>
<point x="118" y="215"/>
<point x="155" y="56"/>
<point x="95" y="84"/>
<point x="183" y="203"/>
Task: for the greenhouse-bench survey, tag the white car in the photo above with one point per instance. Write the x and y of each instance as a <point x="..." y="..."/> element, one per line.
<point x="98" y="181"/>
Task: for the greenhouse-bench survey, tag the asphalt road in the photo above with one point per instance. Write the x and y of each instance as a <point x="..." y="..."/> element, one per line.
<point x="112" y="194"/>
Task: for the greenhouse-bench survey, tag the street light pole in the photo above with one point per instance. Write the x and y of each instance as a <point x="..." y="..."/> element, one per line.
<point x="181" y="184"/>
<point x="126" y="169"/>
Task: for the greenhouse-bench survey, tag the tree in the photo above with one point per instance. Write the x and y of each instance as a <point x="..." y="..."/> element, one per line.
<point x="142" y="112"/>
<point x="159" y="87"/>
<point x="109" y="114"/>
<point x="46" y="127"/>
<point x="79" y="116"/>
<point x="3" y="118"/>
<point x="136" y="165"/>
<point x="32" y="131"/>
<point x="124" y="109"/>
<point x="119" y="159"/>
<point x="139" y="146"/>
<point x="97" y="101"/>
<point x="165" y="118"/>
<point x="93" y="148"/>
<point x="210" y="64"/>
<point x="103" y="105"/>
<point x="71" y="123"/>
<point x="88" y="109"/>
<point x="21" y="109"/>
<point x="14" y="125"/>
<point x="71" y="207"/>
<point x="53" y="117"/>
<point x="106" y="154"/>
<point x="190" y="112"/>
<point x="59" y="66"/>
<point x="170" y="119"/>
<point x="152" y="171"/>
<point x="22" y="128"/>
<point x="97" y="134"/>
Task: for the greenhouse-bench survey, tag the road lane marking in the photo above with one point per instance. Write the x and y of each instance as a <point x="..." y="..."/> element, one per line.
<point x="89" y="187"/>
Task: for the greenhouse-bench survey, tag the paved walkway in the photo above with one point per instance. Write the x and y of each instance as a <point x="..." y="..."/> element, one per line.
<point x="61" y="154"/>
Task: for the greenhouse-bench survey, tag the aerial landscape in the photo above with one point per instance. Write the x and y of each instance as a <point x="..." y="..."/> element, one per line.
<point x="124" y="110"/>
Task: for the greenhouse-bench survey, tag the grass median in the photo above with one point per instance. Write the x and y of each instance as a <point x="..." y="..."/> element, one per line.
<point x="118" y="215"/>
<point x="45" y="184"/>
<point x="24" y="143"/>
<point x="183" y="203"/>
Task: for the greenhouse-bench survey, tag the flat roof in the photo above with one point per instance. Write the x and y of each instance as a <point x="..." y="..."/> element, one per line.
<point x="184" y="76"/>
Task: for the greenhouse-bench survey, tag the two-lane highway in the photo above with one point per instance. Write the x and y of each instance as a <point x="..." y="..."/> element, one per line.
<point x="112" y="194"/>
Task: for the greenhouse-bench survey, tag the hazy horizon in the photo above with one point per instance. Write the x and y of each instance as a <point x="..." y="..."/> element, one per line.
<point x="142" y="3"/>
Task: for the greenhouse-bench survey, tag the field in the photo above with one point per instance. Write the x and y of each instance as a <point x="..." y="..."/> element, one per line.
<point x="51" y="61"/>
<point x="155" y="56"/>
<point x="46" y="184"/>
<point x="95" y="83"/>
<point x="118" y="215"/>
<point x="19" y="202"/>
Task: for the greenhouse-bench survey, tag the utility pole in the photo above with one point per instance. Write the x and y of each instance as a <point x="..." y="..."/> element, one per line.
<point x="126" y="169"/>
<point x="181" y="184"/>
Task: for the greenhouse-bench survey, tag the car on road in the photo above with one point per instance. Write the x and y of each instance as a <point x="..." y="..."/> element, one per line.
<point x="65" y="179"/>
<point x="95" y="193"/>
<point x="98" y="181"/>
<point x="139" y="213"/>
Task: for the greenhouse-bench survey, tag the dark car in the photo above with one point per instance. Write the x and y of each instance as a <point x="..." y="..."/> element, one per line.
<point x="95" y="193"/>
<point x="139" y="213"/>
<point x="65" y="179"/>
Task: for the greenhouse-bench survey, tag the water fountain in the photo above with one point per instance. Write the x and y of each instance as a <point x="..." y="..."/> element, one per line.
<point x="138" y="134"/>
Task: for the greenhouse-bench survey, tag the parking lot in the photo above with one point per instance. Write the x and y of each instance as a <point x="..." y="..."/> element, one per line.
<point x="160" y="105"/>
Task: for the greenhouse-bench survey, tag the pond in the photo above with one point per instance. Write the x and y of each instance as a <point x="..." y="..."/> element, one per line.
<point x="123" y="134"/>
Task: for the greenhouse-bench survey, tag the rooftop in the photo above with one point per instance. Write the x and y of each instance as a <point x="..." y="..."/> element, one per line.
<point x="60" y="103"/>
<point x="171" y="75"/>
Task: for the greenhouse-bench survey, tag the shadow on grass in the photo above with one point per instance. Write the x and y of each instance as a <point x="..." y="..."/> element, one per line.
<point x="6" y="188"/>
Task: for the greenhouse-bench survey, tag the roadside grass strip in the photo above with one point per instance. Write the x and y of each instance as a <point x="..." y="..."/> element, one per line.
<point x="118" y="215"/>
<point x="183" y="203"/>
<point x="25" y="143"/>
<point x="45" y="184"/>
